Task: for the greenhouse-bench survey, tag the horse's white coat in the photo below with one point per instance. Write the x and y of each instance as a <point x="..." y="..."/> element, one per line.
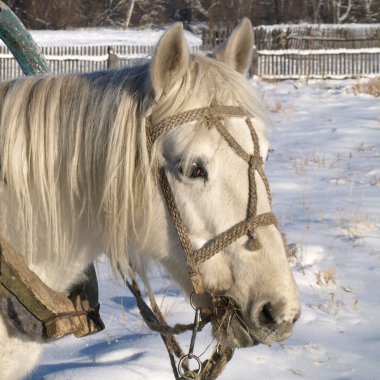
<point x="62" y="203"/>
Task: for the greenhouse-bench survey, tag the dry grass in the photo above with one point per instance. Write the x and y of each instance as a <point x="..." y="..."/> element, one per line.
<point x="356" y="227"/>
<point x="314" y="159"/>
<point x="326" y="277"/>
<point x="370" y="87"/>
<point x="333" y="306"/>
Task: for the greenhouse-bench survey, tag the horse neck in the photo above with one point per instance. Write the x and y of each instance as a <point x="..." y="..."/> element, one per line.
<point x="79" y="139"/>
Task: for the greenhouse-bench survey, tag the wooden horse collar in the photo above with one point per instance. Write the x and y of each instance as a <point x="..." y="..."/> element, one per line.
<point x="60" y="315"/>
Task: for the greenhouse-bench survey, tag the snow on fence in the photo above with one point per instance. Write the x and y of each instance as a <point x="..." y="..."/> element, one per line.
<point x="340" y="63"/>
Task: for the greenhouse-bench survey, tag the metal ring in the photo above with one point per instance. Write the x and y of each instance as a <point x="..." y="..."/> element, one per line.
<point x="192" y="298"/>
<point x="180" y="369"/>
<point x="217" y="348"/>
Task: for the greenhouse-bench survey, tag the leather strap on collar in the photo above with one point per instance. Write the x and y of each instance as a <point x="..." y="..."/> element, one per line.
<point x="58" y="314"/>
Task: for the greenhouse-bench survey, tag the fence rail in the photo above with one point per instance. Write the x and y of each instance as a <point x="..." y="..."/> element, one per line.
<point x="318" y="63"/>
<point x="309" y="37"/>
<point x="303" y="37"/>
<point x="80" y="59"/>
<point x="315" y="51"/>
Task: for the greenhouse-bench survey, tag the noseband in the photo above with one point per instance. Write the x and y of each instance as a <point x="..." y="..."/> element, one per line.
<point x="213" y="117"/>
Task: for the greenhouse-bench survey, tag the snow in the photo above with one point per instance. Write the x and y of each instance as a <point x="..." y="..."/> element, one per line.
<point x="320" y="26"/>
<point x="325" y="178"/>
<point x="319" y="51"/>
<point x="104" y="36"/>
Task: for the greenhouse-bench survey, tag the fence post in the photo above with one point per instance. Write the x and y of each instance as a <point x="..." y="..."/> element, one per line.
<point x="113" y="61"/>
<point x="254" y="68"/>
<point x="284" y="40"/>
<point x="309" y="41"/>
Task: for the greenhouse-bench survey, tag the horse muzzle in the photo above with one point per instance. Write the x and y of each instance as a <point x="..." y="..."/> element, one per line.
<point x="233" y="330"/>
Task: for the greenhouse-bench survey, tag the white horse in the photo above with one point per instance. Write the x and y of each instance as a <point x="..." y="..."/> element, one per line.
<point x="77" y="179"/>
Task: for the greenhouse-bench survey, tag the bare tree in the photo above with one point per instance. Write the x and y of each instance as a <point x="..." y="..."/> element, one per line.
<point x="341" y="10"/>
<point x="151" y="12"/>
<point x="372" y="10"/>
<point x="129" y="14"/>
<point x="205" y="9"/>
<point x="60" y="14"/>
<point x="108" y="12"/>
<point x="316" y="9"/>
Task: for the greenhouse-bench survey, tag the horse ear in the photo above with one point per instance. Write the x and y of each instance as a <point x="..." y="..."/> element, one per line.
<point x="170" y="60"/>
<point x="237" y="50"/>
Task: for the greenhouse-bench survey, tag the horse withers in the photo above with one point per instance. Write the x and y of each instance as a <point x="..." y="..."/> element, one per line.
<point x="82" y="160"/>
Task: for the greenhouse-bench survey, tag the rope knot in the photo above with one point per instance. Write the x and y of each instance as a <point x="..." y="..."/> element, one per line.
<point x="210" y="119"/>
<point x="255" y="161"/>
<point x="253" y="243"/>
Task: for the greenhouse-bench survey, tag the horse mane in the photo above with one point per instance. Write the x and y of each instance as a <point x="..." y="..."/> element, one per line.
<point x="75" y="145"/>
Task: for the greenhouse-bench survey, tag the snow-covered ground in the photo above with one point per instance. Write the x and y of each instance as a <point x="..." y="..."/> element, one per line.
<point x="325" y="178"/>
<point x="103" y="36"/>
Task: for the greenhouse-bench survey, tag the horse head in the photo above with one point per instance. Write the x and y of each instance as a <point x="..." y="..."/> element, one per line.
<point x="206" y="131"/>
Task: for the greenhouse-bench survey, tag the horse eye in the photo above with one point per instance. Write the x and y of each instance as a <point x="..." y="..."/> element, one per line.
<point x="196" y="170"/>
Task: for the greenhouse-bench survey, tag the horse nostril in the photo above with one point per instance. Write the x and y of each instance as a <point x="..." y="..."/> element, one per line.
<point x="272" y="321"/>
<point x="265" y="316"/>
<point x="296" y="318"/>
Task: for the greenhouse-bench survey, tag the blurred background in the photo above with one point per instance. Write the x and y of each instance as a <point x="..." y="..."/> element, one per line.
<point x="62" y="14"/>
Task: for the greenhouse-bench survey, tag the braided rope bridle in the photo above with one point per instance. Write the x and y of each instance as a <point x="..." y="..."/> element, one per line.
<point x="213" y="117"/>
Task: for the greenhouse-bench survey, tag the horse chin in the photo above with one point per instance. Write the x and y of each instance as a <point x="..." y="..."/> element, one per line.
<point x="236" y="336"/>
<point x="232" y="331"/>
<point x="229" y="328"/>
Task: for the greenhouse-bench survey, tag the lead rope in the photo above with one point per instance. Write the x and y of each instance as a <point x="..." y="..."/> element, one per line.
<point x="152" y="316"/>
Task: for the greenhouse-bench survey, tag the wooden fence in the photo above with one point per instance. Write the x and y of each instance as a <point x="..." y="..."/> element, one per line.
<point x="341" y="63"/>
<point x="306" y="58"/>
<point x="305" y="37"/>
<point x="311" y="37"/>
<point x="314" y="51"/>
<point x="212" y="38"/>
<point x="78" y="59"/>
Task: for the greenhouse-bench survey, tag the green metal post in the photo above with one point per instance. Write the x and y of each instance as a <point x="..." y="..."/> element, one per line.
<point x="21" y="43"/>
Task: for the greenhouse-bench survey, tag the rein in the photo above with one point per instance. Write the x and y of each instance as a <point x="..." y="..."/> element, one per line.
<point x="213" y="116"/>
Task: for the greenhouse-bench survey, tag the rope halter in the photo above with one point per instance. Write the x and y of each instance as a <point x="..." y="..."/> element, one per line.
<point x="213" y="116"/>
